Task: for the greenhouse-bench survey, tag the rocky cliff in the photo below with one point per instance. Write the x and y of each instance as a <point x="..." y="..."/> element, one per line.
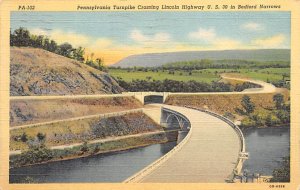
<point x="38" y="72"/>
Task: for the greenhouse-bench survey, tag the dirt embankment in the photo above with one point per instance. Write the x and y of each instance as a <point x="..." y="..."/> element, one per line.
<point x="78" y="131"/>
<point x="222" y="103"/>
<point x="39" y="72"/>
<point x="24" y="112"/>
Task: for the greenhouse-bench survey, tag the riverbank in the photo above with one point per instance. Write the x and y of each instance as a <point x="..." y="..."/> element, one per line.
<point x="94" y="148"/>
<point x="112" y="167"/>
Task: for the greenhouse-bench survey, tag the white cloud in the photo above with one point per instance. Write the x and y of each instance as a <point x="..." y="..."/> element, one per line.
<point x="101" y="43"/>
<point x="270" y="42"/>
<point x="75" y="39"/>
<point x="138" y="36"/>
<point x="71" y="37"/>
<point x="39" y="31"/>
<point x="213" y="41"/>
<point x="203" y="34"/>
<point x="253" y="26"/>
<point x="226" y="43"/>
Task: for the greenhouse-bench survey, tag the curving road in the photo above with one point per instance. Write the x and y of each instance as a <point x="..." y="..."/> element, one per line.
<point x="266" y="88"/>
<point x="209" y="153"/>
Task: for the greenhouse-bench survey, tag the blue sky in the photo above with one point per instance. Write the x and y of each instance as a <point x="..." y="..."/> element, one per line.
<point x="114" y="35"/>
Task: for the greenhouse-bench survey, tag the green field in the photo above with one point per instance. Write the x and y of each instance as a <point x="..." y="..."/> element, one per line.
<point x="205" y="75"/>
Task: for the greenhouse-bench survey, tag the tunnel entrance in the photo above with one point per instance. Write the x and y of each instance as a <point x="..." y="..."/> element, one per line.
<point x="152" y="99"/>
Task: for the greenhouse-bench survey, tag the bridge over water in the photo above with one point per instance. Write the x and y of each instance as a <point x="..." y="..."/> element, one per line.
<point x="213" y="151"/>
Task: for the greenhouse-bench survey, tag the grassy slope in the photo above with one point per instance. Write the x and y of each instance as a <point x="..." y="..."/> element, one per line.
<point x="223" y="103"/>
<point x="39" y="72"/>
<point x="68" y="132"/>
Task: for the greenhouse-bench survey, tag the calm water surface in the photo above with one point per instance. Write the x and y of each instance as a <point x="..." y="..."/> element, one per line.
<point x="266" y="147"/>
<point x="112" y="167"/>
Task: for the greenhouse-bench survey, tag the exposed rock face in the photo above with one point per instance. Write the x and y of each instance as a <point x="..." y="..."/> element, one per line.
<point x="39" y="72"/>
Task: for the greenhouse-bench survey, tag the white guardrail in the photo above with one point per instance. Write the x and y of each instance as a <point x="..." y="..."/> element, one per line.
<point x="238" y="167"/>
<point x="138" y="176"/>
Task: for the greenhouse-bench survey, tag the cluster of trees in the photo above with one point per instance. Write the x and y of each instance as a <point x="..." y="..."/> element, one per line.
<point x="211" y="64"/>
<point x="174" y="86"/>
<point x="282" y="174"/>
<point x="225" y="64"/>
<point x="37" y="151"/>
<point x="21" y="37"/>
<point x="280" y="84"/>
<point x="245" y="85"/>
<point x="168" y="85"/>
<point x="258" y="118"/>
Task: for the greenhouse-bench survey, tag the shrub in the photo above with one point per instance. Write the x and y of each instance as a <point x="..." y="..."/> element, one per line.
<point x="41" y="136"/>
<point x="96" y="149"/>
<point x="283" y="116"/>
<point x="247" y="104"/>
<point x="282" y="174"/>
<point x="34" y="155"/>
<point x="248" y="122"/>
<point x="84" y="147"/>
<point x="24" y="137"/>
<point x="272" y="120"/>
<point x="279" y="101"/>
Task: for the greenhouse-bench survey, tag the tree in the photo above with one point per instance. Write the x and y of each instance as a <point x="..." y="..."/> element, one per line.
<point x="99" y="64"/>
<point x="247" y="104"/>
<point x="39" y="41"/>
<point x="84" y="147"/>
<point x="41" y="136"/>
<point x="283" y="116"/>
<point x="78" y="54"/>
<point x="279" y="101"/>
<point x="271" y="120"/>
<point x="35" y="154"/>
<point x="46" y="44"/>
<point x="24" y="137"/>
<point x="65" y="49"/>
<point x="21" y="37"/>
<point x="53" y="46"/>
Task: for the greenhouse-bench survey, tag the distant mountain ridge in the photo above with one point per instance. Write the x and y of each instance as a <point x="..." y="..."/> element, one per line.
<point x="159" y="59"/>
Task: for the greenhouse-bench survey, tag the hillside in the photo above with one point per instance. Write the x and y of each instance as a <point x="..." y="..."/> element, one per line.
<point x="24" y="112"/>
<point x="159" y="59"/>
<point x="222" y="103"/>
<point x="39" y="72"/>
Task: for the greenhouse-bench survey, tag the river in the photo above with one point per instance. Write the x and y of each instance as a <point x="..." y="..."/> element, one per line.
<point x="110" y="167"/>
<point x="266" y="148"/>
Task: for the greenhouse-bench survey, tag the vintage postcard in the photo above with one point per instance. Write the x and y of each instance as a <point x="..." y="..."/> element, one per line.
<point x="183" y="94"/>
